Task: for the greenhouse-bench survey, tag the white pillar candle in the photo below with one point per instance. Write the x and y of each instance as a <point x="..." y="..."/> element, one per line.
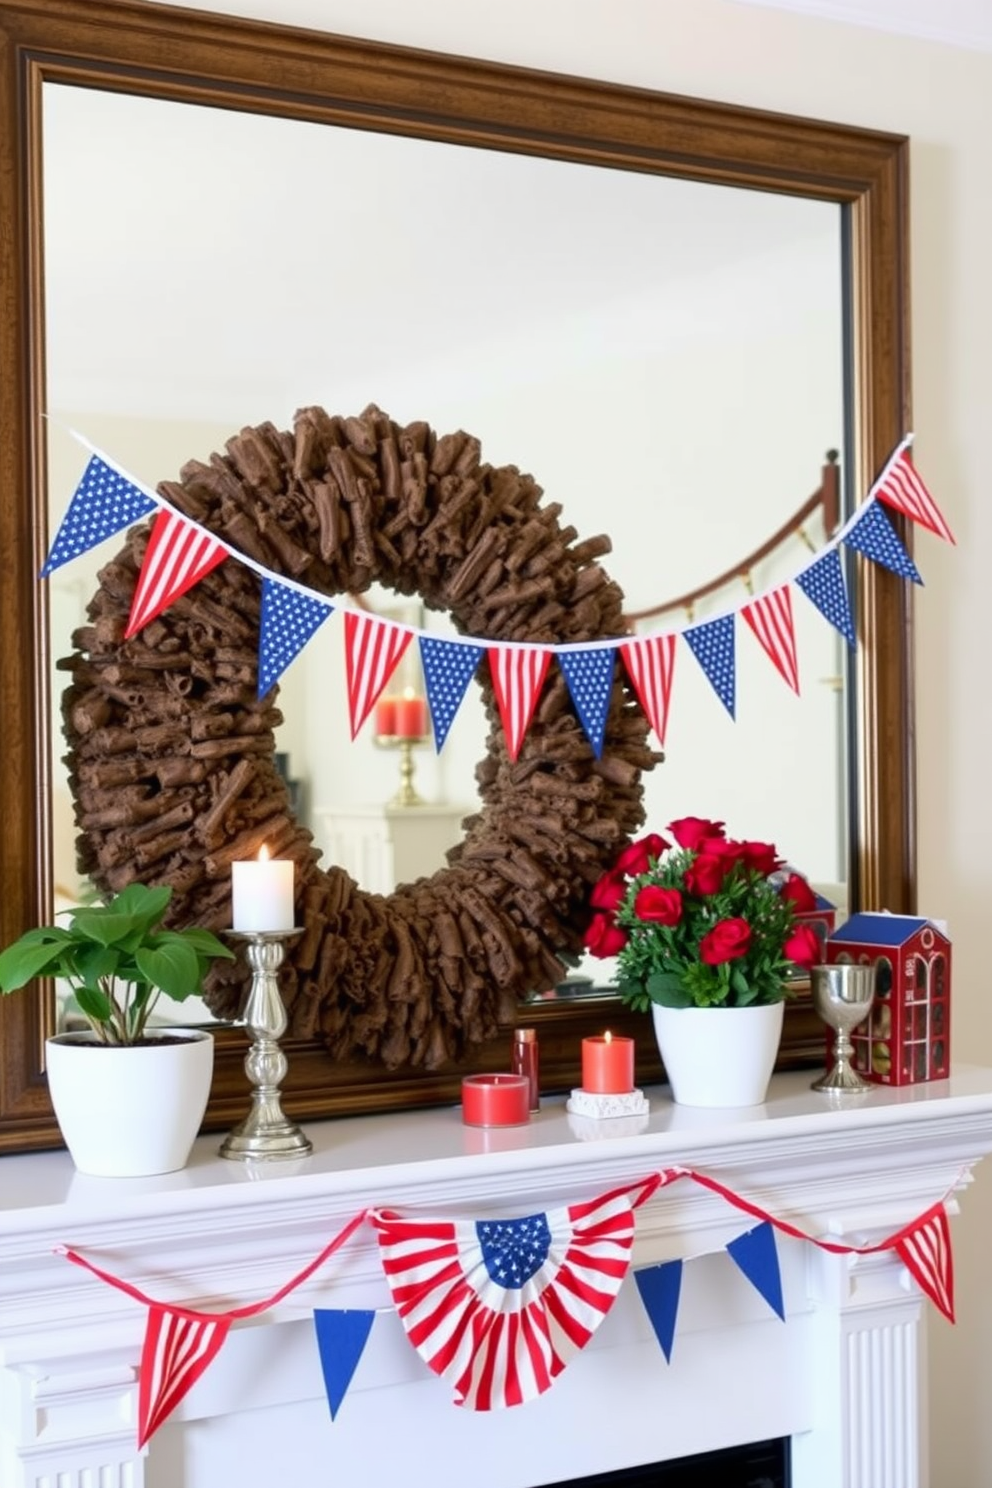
<point x="262" y="894"/>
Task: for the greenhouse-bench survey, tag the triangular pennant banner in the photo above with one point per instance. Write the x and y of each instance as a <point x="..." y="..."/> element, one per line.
<point x="900" y="486"/>
<point x="756" y="1253"/>
<point x="103" y="503"/>
<point x="518" y="675"/>
<point x="289" y="619"/>
<point x="177" y="1349"/>
<point x="448" y="669"/>
<point x="874" y="536"/>
<point x="372" y="651"/>
<point x="925" y="1250"/>
<point x="823" y="583"/>
<point x="178" y="556"/>
<point x="589" y="675"/>
<point x="341" y="1339"/>
<point x="770" y="617"/>
<point x="712" y="644"/>
<point x="499" y="1307"/>
<point x="651" y="663"/>
<point x="660" y="1288"/>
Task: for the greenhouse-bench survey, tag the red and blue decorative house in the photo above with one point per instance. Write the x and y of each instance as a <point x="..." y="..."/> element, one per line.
<point x="906" y="1037"/>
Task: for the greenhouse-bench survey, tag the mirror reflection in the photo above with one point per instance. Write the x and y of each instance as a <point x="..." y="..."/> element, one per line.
<point x="664" y="357"/>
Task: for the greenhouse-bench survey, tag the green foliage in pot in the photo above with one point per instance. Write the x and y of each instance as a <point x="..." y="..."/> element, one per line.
<point x="117" y="959"/>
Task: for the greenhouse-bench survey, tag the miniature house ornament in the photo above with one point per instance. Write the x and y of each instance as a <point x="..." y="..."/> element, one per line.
<point x="906" y="1037"/>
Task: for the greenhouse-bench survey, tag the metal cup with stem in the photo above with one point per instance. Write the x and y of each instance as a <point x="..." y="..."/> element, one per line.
<point x="843" y="995"/>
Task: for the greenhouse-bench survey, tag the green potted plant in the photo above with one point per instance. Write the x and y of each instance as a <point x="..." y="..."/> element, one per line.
<point x="129" y="1096"/>
<point x="705" y="936"/>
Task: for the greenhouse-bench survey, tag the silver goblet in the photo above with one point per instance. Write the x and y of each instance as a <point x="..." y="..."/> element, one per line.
<point x="843" y="995"/>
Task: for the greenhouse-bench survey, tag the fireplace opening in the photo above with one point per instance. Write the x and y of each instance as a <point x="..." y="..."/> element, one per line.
<point x="757" y="1465"/>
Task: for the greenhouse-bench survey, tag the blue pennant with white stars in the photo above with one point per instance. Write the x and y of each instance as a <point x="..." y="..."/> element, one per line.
<point x="874" y="535"/>
<point x="448" y="669"/>
<point x="289" y="619"/>
<point x="712" y="644"/>
<point x="589" y="675"/>
<point x="513" y="1250"/>
<point x="823" y="583"/>
<point x="103" y="503"/>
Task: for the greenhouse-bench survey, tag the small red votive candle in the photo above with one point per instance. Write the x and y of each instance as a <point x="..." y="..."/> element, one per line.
<point x="385" y="717"/>
<point x="495" y="1100"/>
<point x="608" y="1065"/>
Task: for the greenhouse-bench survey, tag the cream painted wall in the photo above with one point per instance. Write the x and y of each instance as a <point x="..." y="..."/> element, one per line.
<point x="942" y="98"/>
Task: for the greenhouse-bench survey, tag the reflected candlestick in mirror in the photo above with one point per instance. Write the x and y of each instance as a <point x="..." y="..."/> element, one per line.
<point x="385" y="717"/>
<point x="608" y="1065"/>
<point x="495" y="1100"/>
<point x="262" y="894"/>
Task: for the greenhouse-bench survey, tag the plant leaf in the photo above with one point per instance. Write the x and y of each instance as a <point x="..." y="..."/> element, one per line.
<point x="668" y="989"/>
<point x="35" y="952"/>
<point x="205" y="943"/>
<point x="170" y="965"/>
<point x="95" y="1004"/>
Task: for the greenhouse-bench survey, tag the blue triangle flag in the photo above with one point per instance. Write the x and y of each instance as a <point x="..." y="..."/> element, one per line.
<point x="660" y="1287"/>
<point x="874" y="535"/>
<point x="823" y="583"/>
<point x="341" y="1339"/>
<point x="712" y="644"/>
<point x="103" y="503"/>
<point x="589" y="675"/>
<point x="756" y="1254"/>
<point x="448" y="669"/>
<point x="289" y="619"/>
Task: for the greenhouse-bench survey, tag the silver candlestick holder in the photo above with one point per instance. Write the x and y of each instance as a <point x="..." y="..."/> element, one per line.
<point x="842" y="995"/>
<point x="265" y="1135"/>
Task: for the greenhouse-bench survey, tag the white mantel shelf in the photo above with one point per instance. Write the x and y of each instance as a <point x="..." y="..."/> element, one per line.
<point x="842" y="1376"/>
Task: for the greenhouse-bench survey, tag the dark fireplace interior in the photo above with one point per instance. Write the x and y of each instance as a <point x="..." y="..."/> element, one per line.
<point x="757" y="1465"/>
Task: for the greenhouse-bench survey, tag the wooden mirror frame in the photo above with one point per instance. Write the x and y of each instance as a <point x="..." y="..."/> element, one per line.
<point x="232" y="63"/>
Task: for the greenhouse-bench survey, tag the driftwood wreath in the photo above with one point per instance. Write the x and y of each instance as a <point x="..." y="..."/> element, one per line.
<point x="172" y="757"/>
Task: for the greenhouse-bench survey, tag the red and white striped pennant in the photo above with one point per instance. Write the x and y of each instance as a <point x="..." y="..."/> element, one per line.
<point x="925" y="1249"/>
<point x="177" y="1349"/>
<point x="372" y="651"/>
<point x="770" y="617"/>
<point x="518" y="675"/>
<point x="650" y="664"/>
<point x="178" y="555"/>
<point x="901" y="487"/>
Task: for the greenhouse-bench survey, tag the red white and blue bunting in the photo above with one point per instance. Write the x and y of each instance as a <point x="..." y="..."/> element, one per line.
<point x="499" y="1307"/>
<point x="180" y="553"/>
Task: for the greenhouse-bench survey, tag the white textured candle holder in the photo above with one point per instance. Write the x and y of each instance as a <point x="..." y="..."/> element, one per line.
<point x="588" y="1129"/>
<point x="606" y="1107"/>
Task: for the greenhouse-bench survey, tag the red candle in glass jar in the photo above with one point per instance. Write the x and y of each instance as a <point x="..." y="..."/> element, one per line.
<point x="385" y="717"/>
<point x="410" y="717"/>
<point x="495" y="1100"/>
<point x="608" y="1065"/>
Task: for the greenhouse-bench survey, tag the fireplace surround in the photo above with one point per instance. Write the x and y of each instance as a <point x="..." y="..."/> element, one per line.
<point x="842" y="1377"/>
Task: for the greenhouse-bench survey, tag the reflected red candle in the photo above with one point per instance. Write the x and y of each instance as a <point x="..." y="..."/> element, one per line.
<point x="411" y="717"/>
<point x="608" y="1065"/>
<point x="385" y="717"/>
<point x="495" y="1100"/>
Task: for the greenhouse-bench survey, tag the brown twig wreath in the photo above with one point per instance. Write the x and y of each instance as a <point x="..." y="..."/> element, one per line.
<point x="172" y="756"/>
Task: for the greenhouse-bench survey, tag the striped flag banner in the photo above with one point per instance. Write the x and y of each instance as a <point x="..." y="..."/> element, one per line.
<point x="901" y="486"/>
<point x="650" y="664"/>
<point x="178" y="1347"/>
<point x="178" y="556"/>
<point x="499" y="1307"/>
<point x="925" y="1249"/>
<point x="518" y="675"/>
<point x="372" y="652"/>
<point x="770" y="617"/>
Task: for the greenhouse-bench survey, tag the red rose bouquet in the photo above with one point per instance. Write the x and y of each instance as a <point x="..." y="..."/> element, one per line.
<point x="708" y="922"/>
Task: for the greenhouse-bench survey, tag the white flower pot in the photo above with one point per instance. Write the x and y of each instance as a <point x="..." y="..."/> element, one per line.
<point x="133" y="1111"/>
<point x="718" y="1056"/>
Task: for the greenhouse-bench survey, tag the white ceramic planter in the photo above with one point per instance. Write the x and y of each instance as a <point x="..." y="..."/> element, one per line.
<point x="130" y="1112"/>
<point x="718" y="1056"/>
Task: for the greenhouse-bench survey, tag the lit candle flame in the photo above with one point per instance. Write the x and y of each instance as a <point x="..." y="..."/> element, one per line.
<point x="607" y="1037"/>
<point x="263" y="854"/>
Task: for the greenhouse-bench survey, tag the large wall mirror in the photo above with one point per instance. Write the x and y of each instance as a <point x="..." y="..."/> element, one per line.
<point x="666" y="311"/>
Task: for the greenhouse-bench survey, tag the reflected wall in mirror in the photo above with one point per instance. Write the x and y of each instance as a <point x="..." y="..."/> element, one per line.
<point x="532" y="367"/>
